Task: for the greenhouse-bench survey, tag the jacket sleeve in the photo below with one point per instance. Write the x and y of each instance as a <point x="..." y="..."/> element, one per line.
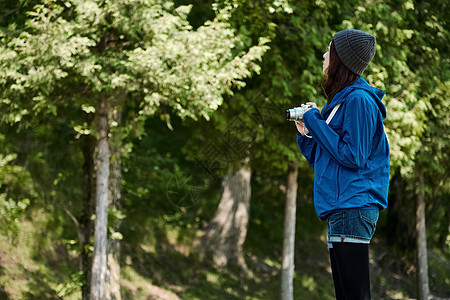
<point x="353" y="147"/>
<point x="307" y="147"/>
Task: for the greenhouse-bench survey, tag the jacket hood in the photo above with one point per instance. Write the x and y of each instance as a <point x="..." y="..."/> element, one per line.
<point x="361" y="83"/>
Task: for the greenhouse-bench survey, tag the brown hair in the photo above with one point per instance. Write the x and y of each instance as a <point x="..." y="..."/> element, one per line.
<point x="338" y="75"/>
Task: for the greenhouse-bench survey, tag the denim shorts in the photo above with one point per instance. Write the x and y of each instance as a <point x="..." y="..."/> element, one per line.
<point x="356" y="225"/>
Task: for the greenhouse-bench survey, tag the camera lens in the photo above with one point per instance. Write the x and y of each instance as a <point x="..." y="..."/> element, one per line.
<point x="288" y="114"/>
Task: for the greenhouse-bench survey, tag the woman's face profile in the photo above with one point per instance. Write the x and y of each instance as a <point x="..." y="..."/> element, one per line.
<point x="326" y="61"/>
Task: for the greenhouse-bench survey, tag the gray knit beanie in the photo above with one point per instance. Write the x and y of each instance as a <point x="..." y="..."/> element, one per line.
<point x="355" y="48"/>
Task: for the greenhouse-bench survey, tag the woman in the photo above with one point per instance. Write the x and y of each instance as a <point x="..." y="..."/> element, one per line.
<point x="350" y="157"/>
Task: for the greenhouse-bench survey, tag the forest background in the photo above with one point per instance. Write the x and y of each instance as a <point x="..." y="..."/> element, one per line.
<point x="144" y="151"/>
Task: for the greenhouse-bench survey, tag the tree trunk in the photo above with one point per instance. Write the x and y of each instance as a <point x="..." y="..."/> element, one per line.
<point x="226" y="232"/>
<point x="287" y="267"/>
<point x="421" y="243"/>
<point x="115" y="189"/>
<point x="89" y="153"/>
<point x="101" y="211"/>
<point x="113" y="265"/>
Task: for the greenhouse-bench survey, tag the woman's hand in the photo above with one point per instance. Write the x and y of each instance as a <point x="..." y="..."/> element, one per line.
<point x="300" y="124"/>
<point x="312" y="104"/>
<point x="301" y="127"/>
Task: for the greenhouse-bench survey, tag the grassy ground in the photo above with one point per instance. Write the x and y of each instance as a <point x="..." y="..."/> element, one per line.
<point x="174" y="273"/>
<point x="34" y="266"/>
<point x="174" y="267"/>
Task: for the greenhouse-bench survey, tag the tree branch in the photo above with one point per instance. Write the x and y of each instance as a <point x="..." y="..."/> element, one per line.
<point x="77" y="224"/>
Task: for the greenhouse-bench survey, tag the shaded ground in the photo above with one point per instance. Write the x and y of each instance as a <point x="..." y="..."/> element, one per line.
<point x="164" y="266"/>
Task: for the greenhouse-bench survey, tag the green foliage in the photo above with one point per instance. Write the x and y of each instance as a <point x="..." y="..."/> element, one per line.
<point x="143" y="56"/>
<point x="150" y="52"/>
<point x="251" y="123"/>
<point x="16" y="192"/>
<point x="75" y="282"/>
<point x="179" y="77"/>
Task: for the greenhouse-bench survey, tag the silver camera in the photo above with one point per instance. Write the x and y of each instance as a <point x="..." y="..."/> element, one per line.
<point x="296" y="113"/>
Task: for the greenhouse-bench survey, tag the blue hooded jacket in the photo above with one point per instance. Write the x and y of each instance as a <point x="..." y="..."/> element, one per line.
<point x="350" y="156"/>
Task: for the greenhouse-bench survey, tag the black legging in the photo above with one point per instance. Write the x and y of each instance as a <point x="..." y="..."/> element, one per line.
<point x="351" y="274"/>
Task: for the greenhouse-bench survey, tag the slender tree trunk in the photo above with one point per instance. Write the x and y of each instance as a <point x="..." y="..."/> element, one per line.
<point x="287" y="267"/>
<point x="113" y="265"/>
<point x="89" y="153"/>
<point x="226" y="232"/>
<point x="101" y="211"/>
<point x="421" y="243"/>
<point x="115" y="189"/>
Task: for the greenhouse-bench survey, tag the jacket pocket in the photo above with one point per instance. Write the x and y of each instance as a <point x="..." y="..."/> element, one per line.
<point x="325" y="182"/>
